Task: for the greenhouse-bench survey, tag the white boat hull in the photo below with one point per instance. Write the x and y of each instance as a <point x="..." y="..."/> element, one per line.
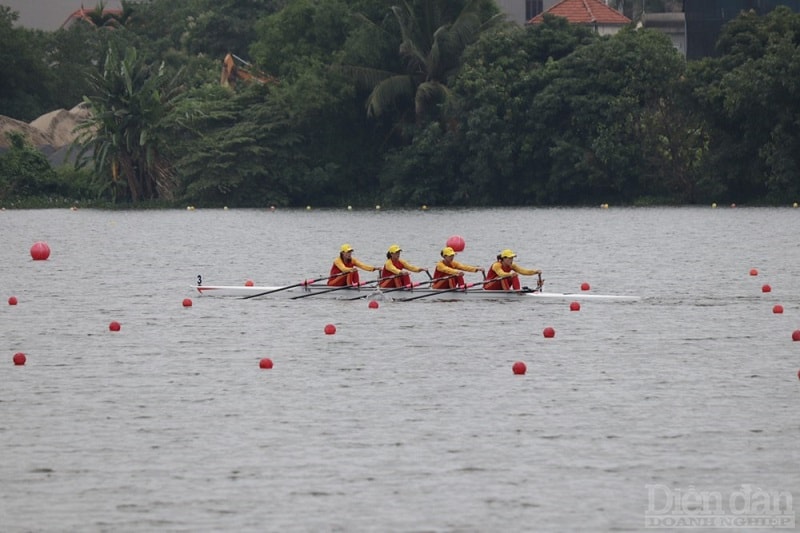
<point x="317" y="291"/>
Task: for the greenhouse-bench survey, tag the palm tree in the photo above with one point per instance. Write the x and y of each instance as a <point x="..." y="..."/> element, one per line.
<point x="433" y="35"/>
<point x="99" y="17"/>
<point x="127" y="130"/>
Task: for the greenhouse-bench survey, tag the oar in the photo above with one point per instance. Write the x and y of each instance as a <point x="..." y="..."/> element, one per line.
<point x="340" y="288"/>
<point x="295" y="285"/>
<point x="430" y="281"/>
<point x="454" y="289"/>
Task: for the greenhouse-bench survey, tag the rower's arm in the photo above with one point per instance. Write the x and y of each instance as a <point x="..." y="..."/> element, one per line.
<point x="497" y="268"/>
<point x="444" y="269"/>
<point x="338" y="263"/>
<point x="364" y="266"/>
<point x="391" y="268"/>
<point x="410" y="267"/>
<point x="525" y="271"/>
<point x="465" y="268"/>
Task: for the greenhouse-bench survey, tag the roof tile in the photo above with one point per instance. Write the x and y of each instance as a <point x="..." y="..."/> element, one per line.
<point x="583" y="12"/>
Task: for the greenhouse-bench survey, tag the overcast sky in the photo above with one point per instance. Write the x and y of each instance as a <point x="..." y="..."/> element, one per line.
<point x="49" y="14"/>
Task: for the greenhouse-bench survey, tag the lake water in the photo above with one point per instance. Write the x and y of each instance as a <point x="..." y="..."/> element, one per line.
<point x="409" y="418"/>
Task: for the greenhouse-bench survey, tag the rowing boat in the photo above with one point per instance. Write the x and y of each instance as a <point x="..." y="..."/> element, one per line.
<point x="315" y="290"/>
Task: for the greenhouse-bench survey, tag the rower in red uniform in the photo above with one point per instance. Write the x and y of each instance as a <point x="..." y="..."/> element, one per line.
<point x="449" y="273"/>
<point x="397" y="270"/>
<point x="344" y="270"/>
<point x="505" y="274"/>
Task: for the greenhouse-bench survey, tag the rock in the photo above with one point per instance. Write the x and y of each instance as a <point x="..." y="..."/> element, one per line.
<point x="51" y="133"/>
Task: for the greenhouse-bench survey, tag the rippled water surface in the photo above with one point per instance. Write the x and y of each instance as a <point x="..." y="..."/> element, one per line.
<point x="409" y="418"/>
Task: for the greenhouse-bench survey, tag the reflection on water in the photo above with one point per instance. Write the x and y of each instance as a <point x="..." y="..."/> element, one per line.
<point x="409" y="418"/>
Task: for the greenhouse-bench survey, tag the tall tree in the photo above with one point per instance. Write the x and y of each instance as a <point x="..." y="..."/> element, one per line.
<point x="749" y="95"/>
<point x="242" y="151"/>
<point x="432" y="37"/>
<point x="127" y="132"/>
<point x="592" y="112"/>
<point x="26" y="80"/>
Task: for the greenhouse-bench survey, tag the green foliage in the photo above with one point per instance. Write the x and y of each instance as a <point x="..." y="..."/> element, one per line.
<point x="127" y="132"/>
<point x="241" y="149"/>
<point x="26" y="175"/>
<point x="26" y="84"/>
<point x="749" y="96"/>
<point x="24" y="171"/>
<point x="402" y="103"/>
<point x="304" y="31"/>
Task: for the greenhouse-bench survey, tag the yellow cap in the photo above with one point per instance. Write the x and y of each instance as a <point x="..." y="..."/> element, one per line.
<point x="448" y="251"/>
<point x="394" y="248"/>
<point x="507" y="253"/>
<point x="346" y="248"/>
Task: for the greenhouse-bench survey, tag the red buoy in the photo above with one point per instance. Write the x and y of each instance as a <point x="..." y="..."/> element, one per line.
<point x="330" y="329"/>
<point x="248" y="283"/>
<point x="114" y="326"/>
<point x="373" y="304"/>
<point x="753" y="272"/>
<point x="456" y="243"/>
<point x="265" y="363"/>
<point x="519" y="368"/>
<point x="766" y="288"/>
<point x="777" y="309"/>
<point x="575" y="306"/>
<point x="19" y="358"/>
<point x="585" y="286"/>
<point x="187" y="302"/>
<point x="549" y="332"/>
<point x="796" y="335"/>
<point x="40" y="251"/>
<point x="12" y="300"/>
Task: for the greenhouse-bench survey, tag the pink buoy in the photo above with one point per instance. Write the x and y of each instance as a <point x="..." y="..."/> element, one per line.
<point x="373" y="304"/>
<point x="187" y="302"/>
<point x="777" y="309"/>
<point x="12" y="300"/>
<point x="549" y="332"/>
<point x="575" y="306"/>
<point x="114" y="326"/>
<point x="766" y="288"/>
<point x="330" y="329"/>
<point x="19" y="358"/>
<point x="519" y="368"/>
<point x="456" y="243"/>
<point x="40" y="251"/>
<point x="265" y="363"/>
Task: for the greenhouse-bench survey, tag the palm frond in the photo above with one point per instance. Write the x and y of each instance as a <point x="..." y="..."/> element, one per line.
<point x="387" y="92"/>
<point x="363" y="77"/>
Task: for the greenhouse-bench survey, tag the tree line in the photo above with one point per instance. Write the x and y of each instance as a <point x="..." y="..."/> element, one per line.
<point x="423" y="102"/>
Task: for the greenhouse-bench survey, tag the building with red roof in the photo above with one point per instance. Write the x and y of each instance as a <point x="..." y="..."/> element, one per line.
<point x="594" y="13"/>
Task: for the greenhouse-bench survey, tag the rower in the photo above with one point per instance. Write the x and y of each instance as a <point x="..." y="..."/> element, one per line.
<point x="344" y="270"/>
<point x="449" y="273"/>
<point x="504" y="273"/>
<point x="395" y="271"/>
